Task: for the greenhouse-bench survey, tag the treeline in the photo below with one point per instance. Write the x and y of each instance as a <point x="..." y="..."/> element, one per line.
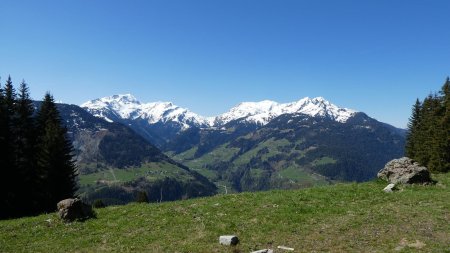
<point x="36" y="162"/>
<point x="143" y="190"/>
<point x="428" y="139"/>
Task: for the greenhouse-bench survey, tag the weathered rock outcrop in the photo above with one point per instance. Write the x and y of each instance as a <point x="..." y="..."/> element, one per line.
<point x="405" y="171"/>
<point x="74" y="209"/>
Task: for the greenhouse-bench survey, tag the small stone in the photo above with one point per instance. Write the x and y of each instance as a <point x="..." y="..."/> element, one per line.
<point x="285" y="248"/>
<point x="228" y="240"/>
<point x="263" y="251"/>
<point x="389" y="188"/>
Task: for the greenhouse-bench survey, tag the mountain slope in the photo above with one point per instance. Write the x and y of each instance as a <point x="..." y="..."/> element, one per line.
<point x="343" y="218"/>
<point x="115" y="163"/>
<point x="291" y="151"/>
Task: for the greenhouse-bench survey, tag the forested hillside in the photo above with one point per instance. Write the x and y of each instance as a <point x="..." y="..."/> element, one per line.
<point x="291" y="151"/>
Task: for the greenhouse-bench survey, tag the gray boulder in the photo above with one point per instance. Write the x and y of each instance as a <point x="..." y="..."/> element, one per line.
<point x="405" y="171"/>
<point x="74" y="209"/>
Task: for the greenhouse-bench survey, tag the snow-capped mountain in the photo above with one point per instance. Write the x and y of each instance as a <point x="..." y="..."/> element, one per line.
<point x="160" y="122"/>
<point x="311" y="135"/>
<point x="262" y="112"/>
<point x="127" y="107"/>
<point x="120" y="107"/>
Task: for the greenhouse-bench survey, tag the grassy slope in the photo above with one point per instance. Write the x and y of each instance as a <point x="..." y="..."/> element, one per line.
<point x="152" y="171"/>
<point x="339" y="218"/>
<point x="297" y="174"/>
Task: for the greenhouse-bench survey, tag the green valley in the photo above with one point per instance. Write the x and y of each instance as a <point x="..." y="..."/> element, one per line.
<point x="289" y="152"/>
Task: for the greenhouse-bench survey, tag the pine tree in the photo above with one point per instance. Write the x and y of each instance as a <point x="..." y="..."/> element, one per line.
<point x="428" y="139"/>
<point x="413" y="127"/>
<point x="445" y="92"/>
<point x="426" y="152"/>
<point x="9" y="171"/>
<point x="56" y="168"/>
<point x="440" y="148"/>
<point x="3" y="155"/>
<point x="36" y="159"/>
<point x="25" y="151"/>
<point x="142" y="197"/>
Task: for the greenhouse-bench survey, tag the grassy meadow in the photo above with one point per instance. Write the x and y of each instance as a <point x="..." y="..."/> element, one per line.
<point x="340" y="218"/>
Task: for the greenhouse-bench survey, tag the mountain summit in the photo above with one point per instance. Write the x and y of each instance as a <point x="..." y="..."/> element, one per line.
<point x="161" y="122"/>
<point x="127" y="107"/>
<point x="262" y="112"/>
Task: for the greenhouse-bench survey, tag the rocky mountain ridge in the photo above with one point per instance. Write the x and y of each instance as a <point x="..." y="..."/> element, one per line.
<point x="161" y="122"/>
<point x="126" y="106"/>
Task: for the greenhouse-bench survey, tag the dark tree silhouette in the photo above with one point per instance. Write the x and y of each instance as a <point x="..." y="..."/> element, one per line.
<point x="56" y="167"/>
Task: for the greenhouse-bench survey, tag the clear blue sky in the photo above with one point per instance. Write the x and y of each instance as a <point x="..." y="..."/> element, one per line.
<point x="375" y="56"/>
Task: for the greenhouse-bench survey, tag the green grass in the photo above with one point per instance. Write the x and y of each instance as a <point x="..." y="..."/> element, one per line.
<point x="296" y="176"/>
<point x="271" y="144"/>
<point x="152" y="171"/>
<point x="323" y="161"/>
<point x="210" y="174"/>
<point x="300" y="176"/>
<point x="221" y="153"/>
<point x="186" y="155"/>
<point x="339" y="218"/>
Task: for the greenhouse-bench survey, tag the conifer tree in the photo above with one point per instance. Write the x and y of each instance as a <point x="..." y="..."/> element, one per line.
<point x="3" y="155"/>
<point x="428" y="129"/>
<point x="9" y="171"/>
<point x="439" y="148"/>
<point x="428" y="139"/>
<point x="24" y="142"/>
<point x="56" y="168"/>
<point x="446" y="125"/>
<point x="36" y="162"/>
<point x="413" y="126"/>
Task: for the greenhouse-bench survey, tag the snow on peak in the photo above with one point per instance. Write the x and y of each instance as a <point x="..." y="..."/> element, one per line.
<point x="320" y="107"/>
<point x="167" y="111"/>
<point x="258" y="112"/>
<point x="264" y="111"/>
<point x="120" y="107"/>
<point x="123" y="106"/>
<point x="127" y="107"/>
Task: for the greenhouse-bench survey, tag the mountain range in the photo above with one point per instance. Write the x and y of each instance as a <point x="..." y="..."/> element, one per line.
<point x="160" y="122"/>
<point x="262" y="145"/>
<point x="124" y="147"/>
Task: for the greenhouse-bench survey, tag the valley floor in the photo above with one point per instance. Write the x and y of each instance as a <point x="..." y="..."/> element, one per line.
<point x="339" y="218"/>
